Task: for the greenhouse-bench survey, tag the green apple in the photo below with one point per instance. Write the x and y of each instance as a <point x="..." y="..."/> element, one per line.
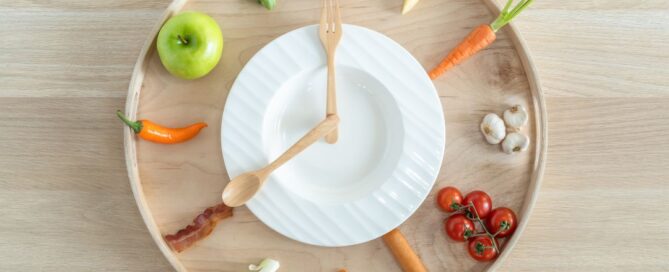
<point x="190" y="44"/>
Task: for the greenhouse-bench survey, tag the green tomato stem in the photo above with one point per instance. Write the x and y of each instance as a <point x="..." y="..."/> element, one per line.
<point x="497" y="233"/>
<point x="477" y="218"/>
<point x="478" y="234"/>
<point x="135" y="126"/>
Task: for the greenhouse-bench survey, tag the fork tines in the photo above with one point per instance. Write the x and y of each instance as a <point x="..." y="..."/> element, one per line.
<point x="330" y="16"/>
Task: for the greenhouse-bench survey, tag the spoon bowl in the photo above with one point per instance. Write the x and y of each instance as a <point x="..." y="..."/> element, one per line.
<point x="241" y="189"/>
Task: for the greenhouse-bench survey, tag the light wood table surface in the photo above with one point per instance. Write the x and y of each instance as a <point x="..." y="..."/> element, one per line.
<point x="66" y="204"/>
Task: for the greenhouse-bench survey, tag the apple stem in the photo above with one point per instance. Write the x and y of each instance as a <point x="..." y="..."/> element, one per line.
<point x="184" y="41"/>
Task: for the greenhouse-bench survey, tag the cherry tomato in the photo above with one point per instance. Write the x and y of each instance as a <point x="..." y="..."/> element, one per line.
<point x="459" y="227"/>
<point x="481" y="249"/>
<point x="502" y="220"/>
<point x="449" y="199"/>
<point x="482" y="203"/>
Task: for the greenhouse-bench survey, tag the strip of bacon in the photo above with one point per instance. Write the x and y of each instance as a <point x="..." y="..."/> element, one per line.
<point x="202" y="226"/>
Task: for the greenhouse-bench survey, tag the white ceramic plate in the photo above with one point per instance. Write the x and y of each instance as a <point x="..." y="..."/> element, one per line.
<point x="391" y="136"/>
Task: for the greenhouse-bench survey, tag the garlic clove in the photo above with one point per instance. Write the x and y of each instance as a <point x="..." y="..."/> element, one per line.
<point x="516" y="116"/>
<point x="515" y="142"/>
<point x="266" y="265"/>
<point x="493" y="128"/>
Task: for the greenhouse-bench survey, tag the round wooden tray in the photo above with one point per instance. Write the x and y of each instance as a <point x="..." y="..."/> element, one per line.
<point x="174" y="183"/>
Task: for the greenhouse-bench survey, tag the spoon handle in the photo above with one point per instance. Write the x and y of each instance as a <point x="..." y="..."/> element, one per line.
<point x="324" y="127"/>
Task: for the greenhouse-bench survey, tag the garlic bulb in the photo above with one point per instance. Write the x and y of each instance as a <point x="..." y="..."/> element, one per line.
<point x="408" y="5"/>
<point x="515" y="142"/>
<point x="516" y="116"/>
<point x="267" y="265"/>
<point x="493" y="128"/>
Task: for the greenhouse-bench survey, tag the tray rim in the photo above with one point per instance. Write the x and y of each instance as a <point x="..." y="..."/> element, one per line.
<point x="521" y="48"/>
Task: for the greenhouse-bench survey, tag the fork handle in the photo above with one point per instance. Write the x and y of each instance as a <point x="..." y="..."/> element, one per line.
<point x="331" y="106"/>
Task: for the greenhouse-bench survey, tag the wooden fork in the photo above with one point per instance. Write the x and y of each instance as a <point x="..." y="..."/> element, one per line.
<point x="330" y="34"/>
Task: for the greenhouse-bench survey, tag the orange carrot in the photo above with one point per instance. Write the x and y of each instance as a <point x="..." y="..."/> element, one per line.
<point x="404" y="254"/>
<point x="479" y="38"/>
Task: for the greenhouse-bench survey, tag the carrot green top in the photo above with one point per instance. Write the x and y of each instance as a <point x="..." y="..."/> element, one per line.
<point x="507" y="15"/>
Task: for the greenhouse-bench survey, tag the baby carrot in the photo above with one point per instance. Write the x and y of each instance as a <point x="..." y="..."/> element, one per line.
<point x="479" y="38"/>
<point x="404" y="254"/>
<point x="153" y="132"/>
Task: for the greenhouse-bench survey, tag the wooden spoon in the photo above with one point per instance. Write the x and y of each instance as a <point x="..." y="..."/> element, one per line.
<point x="242" y="188"/>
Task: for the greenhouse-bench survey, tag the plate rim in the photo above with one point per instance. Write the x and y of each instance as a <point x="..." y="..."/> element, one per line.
<point x="433" y="103"/>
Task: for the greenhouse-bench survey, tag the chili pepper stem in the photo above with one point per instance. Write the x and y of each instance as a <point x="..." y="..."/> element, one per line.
<point x="136" y="126"/>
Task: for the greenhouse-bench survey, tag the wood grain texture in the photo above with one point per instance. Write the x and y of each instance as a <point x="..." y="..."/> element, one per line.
<point x="67" y="204"/>
<point x="503" y="77"/>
